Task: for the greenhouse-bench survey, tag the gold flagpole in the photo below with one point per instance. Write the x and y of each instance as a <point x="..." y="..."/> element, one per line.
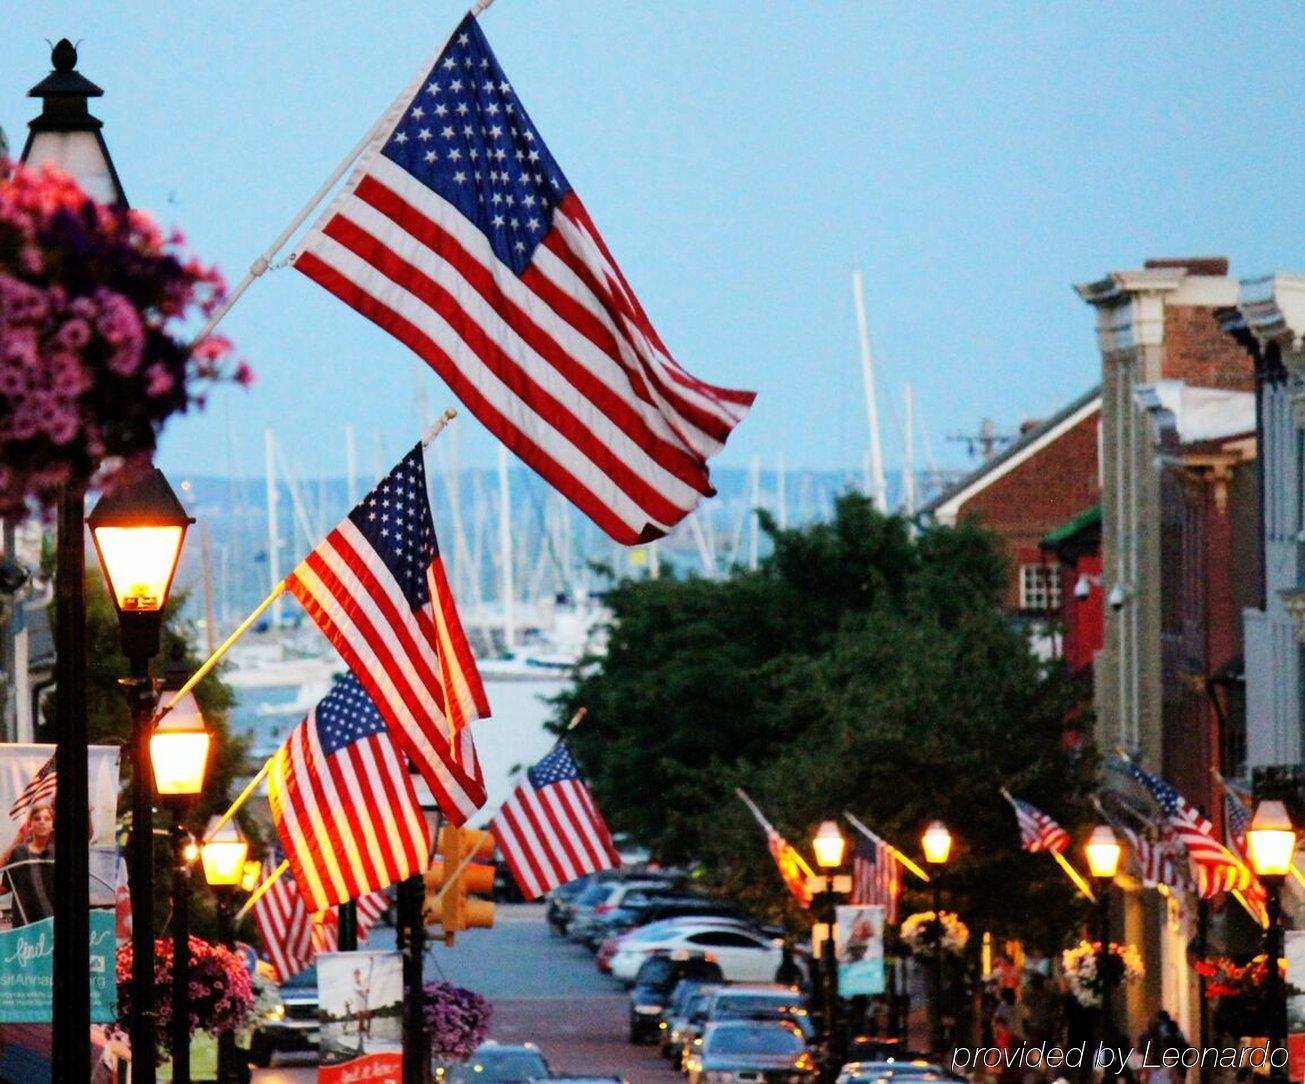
<point x="261" y="890"/>
<point x="1061" y="860"/>
<point x="903" y="859"/>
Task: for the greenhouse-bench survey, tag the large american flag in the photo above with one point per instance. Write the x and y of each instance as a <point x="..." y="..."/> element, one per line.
<point x="1038" y="832"/>
<point x="1216" y="868"/>
<point x="377" y="588"/>
<point x="876" y="878"/>
<point x="550" y="830"/>
<point x="292" y="935"/>
<point x="1236" y="823"/>
<point x="459" y="234"/>
<point x="39" y="791"/>
<point x="1159" y="861"/>
<point x="343" y="801"/>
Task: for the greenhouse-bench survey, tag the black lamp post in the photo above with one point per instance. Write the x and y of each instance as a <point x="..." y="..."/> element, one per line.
<point x="1271" y="843"/>
<point x="829" y="847"/>
<point x="937" y="846"/>
<point x="66" y="135"/>
<point x="138" y="531"/>
<point x="1103" y="850"/>
<point x="223" y="856"/>
<point x="179" y="755"/>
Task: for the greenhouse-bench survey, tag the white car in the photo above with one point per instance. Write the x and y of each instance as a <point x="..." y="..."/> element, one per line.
<point x="742" y="954"/>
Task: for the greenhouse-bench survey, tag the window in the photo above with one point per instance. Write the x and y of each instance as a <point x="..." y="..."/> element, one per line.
<point x="1040" y="588"/>
<point x="723" y="939"/>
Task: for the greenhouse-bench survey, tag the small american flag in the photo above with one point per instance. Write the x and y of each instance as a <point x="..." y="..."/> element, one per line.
<point x="292" y="935"/>
<point x="376" y="587"/>
<point x="876" y="878"/>
<point x="459" y="234"/>
<point x="1038" y="832"/>
<point x="1160" y="861"/>
<point x="343" y="801"/>
<point x="549" y="830"/>
<point x="39" y="791"/>
<point x="1217" y="869"/>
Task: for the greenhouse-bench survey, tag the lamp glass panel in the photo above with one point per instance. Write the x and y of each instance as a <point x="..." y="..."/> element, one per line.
<point x="829" y="845"/>
<point x="224" y="861"/>
<point x="936" y="843"/>
<point x="139" y="562"/>
<point x="1102" y="850"/>
<point x="1271" y="850"/>
<point x="78" y="154"/>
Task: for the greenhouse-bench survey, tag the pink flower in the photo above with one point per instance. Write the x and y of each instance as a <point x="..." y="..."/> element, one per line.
<point x="69" y="376"/>
<point x="159" y="381"/>
<point x="212" y="348"/>
<point x="244" y="375"/>
<point x="126" y="359"/>
<point x="13" y="381"/>
<point x="61" y="425"/>
<point x="118" y="321"/>
<point x="75" y="334"/>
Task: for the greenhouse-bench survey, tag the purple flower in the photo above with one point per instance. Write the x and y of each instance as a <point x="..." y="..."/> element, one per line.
<point x="75" y="334"/>
<point x="13" y="381"/>
<point x="158" y="380"/>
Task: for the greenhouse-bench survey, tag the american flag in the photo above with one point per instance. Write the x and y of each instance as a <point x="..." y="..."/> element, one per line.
<point x="459" y="234"/>
<point x="376" y="587"/>
<point x="876" y="878"/>
<point x="1217" y="869"/>
<point x="292" y="935"/>
<point x="343" y="801"/>
<point x="39" y="791"/>
<point x="1159" y="861"/>
<point x="549" y="830"/>
<point x="1038" y="832"/>
<point x="1236" y="823"/>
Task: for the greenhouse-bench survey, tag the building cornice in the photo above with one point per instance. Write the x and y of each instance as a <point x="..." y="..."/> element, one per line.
<point x="1274" y="310"/>
<point x="1130" y="306"/>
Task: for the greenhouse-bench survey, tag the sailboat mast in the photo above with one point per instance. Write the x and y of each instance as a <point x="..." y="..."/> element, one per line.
<point x="351" y="464"/>
<point x="273" y="540"/>
<point x="876" y="485"/>
<point x="908" y="453"/>
<point x="505" y="548"/>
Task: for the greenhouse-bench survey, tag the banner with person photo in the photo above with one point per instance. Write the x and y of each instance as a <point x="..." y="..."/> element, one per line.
<point x="859" y="949"/>
<point x="28" y="782"/>
<point x="360" y="1007"/>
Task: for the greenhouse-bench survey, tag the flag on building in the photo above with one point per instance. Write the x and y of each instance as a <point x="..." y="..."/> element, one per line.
<point x="326" y="924"/>
<point x="1038" y="832"/>
<point x="1236" y="823"/>
<point x="1159" y="861"/>
<point x="1214" y="866"/>
<point x="793" y="869"/>
<point x="376" y="587"/>
<point x="39" y="791"/>
<point x="343" y="801"/>
<point x="876" y="878"/>
<point x="459" y="234"/>
<point x="550" y="830"/>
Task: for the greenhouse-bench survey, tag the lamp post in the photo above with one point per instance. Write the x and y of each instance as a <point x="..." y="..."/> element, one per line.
<point x="223" y="857"/>
<point x="829" y="845"/>
<point x="138" y="531"/>
<point x="179" y="753"/>
<point x="937" y="846"/>
<point x="1102" y="850"/>
<point x="67" y="135"/>
<point x="1271" y="843"/>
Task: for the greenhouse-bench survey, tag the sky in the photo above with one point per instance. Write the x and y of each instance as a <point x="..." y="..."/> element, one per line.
<point x="740" y="159"/>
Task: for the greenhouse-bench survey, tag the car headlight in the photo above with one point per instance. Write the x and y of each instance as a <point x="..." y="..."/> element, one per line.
<point x="647" y="1008"/>
<point x="718" y="1076"/>
<point x="276" y="1012"/>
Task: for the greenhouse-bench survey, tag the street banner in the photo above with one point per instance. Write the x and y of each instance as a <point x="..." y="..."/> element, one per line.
<point x="859" y="948"/>
<point x="360" y="1006"/>
<point x="27" y="787"/>
<point x="1294" y="950"/>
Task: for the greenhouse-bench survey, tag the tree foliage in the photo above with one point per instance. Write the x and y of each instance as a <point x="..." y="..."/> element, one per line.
<point x="859" y="668"/>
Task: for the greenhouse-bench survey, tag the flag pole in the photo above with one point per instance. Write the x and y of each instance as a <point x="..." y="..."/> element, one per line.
<point x="768" y="827"/>
<point x="1296" y="873"/>
<point x="1061" y="860"/>
<point x="261" y="890"/>
<point x="903" y="859"/>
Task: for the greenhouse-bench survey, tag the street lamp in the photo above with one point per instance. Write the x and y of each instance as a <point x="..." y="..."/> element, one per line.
<point x="937" y="846"/>
<point x="179" y="755"/>
<point x="138" y="531"/>
<point x="829" y="846"/>
<point x="1271" y="845"/>
<point x="224" y="856"/>
<point x="1102" y="850"/>
<point x="66" y="134"/>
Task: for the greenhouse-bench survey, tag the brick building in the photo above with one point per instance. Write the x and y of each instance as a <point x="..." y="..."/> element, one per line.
<point x="1029" y="488"/>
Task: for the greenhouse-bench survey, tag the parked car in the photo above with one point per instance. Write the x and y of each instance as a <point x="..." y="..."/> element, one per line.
<point x="753" y="1050"/>
<point x="757" y="1002"/>
<point x="743" y="954"/>
<point x="641" y="909"/>
<point x="290" y="1023"/>
<point x="497" y="1063"/>
<point x="685" y="1014"/>
<point x="586" y="916"/>
<point x="653" y="985"/>
<point x="894" y="1071"/>
<point x="557" y="909"/>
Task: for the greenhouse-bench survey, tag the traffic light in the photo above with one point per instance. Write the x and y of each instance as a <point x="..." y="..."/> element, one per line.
<point x="449" y="894"/>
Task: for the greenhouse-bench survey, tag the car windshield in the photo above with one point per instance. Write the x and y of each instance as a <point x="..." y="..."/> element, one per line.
<point x="594" y="895"/>
<point x="761" y="1040"/>
<point x="302" y="980"/>
<point x="505" y="1066"/>
<point x="656" y="971"/>
<point x="698" y="1006"/>
<point x="756" y="1004"/>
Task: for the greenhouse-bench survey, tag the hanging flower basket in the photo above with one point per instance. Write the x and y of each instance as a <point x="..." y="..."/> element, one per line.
<point x="93" y="354"/>
<point x="1240" y="993"/>
<point x="457" y="1020"/>
<point x="1123" y="964"/>
<point x="922" y="932"/>
<point x="221" y="994"/>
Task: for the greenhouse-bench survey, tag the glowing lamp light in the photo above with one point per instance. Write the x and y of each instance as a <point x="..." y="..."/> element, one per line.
<point x="223" y="854"/>
<point x="1102" y="850"/>
<point x="828" y="845"/>
<point x="179" y="749"/>
<point x="1271" y="840"/>
<point x="936" y="844"/>
<point x="251" y="876"/>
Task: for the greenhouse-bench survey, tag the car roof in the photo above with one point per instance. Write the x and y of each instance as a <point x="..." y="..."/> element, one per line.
<point x="748" y="1022"/>
<point x="776" y="988"/>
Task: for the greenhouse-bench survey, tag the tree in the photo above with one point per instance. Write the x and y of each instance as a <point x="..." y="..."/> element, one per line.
<point x="858" y="668"/>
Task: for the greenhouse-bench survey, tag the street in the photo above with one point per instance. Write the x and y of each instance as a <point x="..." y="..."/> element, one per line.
<point x="544" y="989"/>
